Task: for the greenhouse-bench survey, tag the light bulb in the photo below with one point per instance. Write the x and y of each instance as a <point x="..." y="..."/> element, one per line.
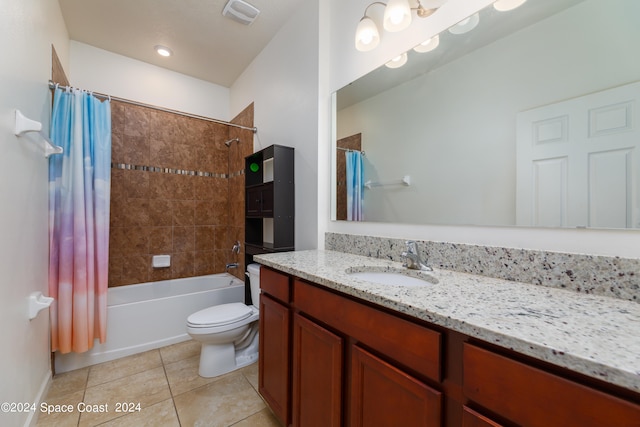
<point x="163" y="50"/>
<point x="428" y="45"/>
<point x="465" y="25"/>
<point x="398" y="61"/>
<point x="397" y="15"/>
<point x="367" y="36"/>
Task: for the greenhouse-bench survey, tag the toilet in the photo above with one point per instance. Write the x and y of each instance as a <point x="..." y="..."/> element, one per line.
<point x="228" y="332"/>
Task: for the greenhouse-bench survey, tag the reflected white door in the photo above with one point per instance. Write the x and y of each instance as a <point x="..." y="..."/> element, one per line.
<point x="578" y="161"/>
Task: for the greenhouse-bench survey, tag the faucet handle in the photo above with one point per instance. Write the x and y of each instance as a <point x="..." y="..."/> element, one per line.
<point x="412" y="248"/>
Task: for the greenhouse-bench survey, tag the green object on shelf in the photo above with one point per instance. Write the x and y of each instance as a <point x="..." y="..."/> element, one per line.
<point x="254" y="167"/>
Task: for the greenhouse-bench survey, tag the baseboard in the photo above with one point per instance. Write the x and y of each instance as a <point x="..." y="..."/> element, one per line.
<point x="32" y="419"/>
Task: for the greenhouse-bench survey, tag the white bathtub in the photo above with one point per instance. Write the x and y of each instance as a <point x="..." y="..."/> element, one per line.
<point x="152" y="315"/>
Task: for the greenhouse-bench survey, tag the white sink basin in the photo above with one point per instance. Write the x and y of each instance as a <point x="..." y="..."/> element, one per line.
<point x="392" y="276"/>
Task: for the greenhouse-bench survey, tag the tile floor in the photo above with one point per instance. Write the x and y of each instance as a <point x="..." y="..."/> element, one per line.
<point x="166" y="384"/>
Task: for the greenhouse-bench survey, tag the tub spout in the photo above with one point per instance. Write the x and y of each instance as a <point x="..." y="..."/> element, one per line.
<point x="231" y="265"/>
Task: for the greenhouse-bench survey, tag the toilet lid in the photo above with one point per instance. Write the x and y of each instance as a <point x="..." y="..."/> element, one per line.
<point x="220" y="315"/>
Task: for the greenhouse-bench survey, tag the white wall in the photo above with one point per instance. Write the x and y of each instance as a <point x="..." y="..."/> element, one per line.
<point x="27" y="31"/>
<point x="346" y="64"/>
<point x="282" y="81"/>
<point x="105" y="72"/>
<point x="451" y="113"/>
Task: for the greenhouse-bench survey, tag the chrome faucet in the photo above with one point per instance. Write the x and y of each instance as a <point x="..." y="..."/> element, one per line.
<point x="411" y="257"/>
<point x="236" y="247"/>
<point x="231" y="265"/>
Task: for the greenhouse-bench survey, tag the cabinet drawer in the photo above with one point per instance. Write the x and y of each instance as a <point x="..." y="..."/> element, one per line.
<point x="410" y="344"/>
<point x="522" y="394"/>
<point x="275" y="284"/>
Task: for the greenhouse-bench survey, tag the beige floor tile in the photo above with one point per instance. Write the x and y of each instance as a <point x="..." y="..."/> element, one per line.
<point x="251" y="374"/>
<point x="180" y="351"/>
<point x="264" y="418"/>
<point x="124" y="367"/>
<point x="183" y="376"/>
<point x="221" y="403"/>
<point x="147" y="388"/>
<point x="68" y="382"/>
<point x="161" y="414"/>
<point x="58" y="418"/>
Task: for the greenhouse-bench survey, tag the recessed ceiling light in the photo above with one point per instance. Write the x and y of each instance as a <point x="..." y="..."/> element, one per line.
<point x="505" y="5"/>
<point x="163" y="50"/>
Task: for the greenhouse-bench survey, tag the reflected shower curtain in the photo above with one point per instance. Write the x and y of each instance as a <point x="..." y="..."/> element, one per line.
<point x="79" y="189"/>
<point x="355" y="178"/>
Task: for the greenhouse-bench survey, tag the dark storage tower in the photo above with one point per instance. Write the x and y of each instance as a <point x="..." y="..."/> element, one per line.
<point x="269" y="202"/>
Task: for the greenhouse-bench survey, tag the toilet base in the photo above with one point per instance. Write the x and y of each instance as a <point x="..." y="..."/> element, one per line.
<point x="219" y="359"/>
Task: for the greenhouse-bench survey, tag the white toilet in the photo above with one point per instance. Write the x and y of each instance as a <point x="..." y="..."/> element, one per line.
<point x="228" y="332"/>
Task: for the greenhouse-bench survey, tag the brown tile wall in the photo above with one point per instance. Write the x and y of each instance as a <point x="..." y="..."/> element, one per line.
<point x="353" y="142"/>
<point x="238" y="151"/>
<point x="157" y="213"/>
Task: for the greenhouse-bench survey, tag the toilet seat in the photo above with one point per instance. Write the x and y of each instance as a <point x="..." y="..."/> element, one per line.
<point x="219" y="315"/>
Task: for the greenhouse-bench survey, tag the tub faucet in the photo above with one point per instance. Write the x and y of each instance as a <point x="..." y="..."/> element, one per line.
<point x="231" y="265"/>
<point x="236" y="247"/>
<point x="411" y="257"/>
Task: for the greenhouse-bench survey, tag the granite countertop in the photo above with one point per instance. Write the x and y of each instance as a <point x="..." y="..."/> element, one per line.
<point x="593" y="335"/>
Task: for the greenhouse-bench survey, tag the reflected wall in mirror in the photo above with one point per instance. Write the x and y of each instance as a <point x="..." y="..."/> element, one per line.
<point x="465" y="121"/>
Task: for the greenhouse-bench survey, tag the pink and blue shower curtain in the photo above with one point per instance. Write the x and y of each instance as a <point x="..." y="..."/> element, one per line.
<point x="355" y="185"/>
<point x="79" y="190"/>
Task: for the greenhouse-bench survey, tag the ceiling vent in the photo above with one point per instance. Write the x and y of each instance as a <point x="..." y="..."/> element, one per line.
<point x="240" y="11"/>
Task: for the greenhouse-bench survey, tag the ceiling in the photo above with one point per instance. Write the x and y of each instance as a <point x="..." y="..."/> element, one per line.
<point x="205" y="44"/>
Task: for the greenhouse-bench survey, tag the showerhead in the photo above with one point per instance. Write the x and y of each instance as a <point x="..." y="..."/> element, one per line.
<point x="231" y="141"/>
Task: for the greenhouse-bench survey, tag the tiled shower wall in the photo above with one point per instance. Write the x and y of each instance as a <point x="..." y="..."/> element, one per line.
<point x="170" y="194"/>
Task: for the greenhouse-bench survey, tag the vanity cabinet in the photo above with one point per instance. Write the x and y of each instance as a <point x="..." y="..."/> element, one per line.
<point x="275" y="343"/>
<point x="531" y="397"/>
<point x="378" y="359"/>
<point x="353" y="363"/>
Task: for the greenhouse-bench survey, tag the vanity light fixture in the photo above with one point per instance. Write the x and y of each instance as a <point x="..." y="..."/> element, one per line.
<point x="505" y="5"/>
<point x="398" y="61"/>
<point x="163" y="50"/>
<point x="465" y="25"/>
<point x="397" y="17"/>
<point x="367" y="34"/>
<point x="428" y="45"/>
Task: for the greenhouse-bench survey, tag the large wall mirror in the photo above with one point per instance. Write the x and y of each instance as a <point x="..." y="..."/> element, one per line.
<point x="532" y="118"/>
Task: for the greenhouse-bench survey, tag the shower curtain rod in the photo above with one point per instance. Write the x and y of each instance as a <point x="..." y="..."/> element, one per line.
<point x="52" y="85"/>
<point x="351" y="149"/>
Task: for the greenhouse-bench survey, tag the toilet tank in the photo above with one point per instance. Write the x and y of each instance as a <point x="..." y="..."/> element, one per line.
<point x="254" y="282"/>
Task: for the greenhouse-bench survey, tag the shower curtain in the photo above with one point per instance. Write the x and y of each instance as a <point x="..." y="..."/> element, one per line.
<point x="79" y="189"/>
<point x="355" y="178"/>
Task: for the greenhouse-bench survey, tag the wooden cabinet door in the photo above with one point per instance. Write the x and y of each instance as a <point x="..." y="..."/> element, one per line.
<point x="317" y="375"/>
<point x="274" y="350"/>
<point x="253" y="201"/>
<point x="259" y="201"/>
<point x="382" y="395"/>
<point x="471" y="418"/>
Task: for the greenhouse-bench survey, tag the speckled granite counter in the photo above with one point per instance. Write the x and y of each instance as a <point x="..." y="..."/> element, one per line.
<point x="593" y="335"/>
